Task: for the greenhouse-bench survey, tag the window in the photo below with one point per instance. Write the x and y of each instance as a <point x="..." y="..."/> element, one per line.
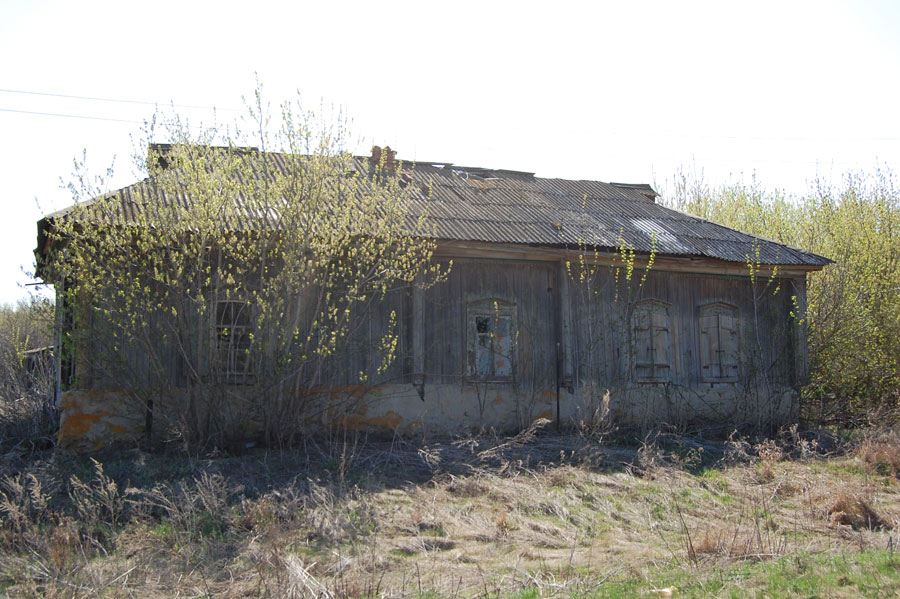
<point x="233" y="338"/>
<point x="491" y="340"/>
<point x="718" y="343"/>
<point x="652" y="346"/>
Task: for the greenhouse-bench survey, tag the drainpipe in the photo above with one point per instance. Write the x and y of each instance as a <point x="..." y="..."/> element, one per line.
<point x="57" y="342"/>
<point x="557" y="387"/>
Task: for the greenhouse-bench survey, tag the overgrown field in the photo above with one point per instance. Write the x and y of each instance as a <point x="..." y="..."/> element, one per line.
<point x="536" y="515"/>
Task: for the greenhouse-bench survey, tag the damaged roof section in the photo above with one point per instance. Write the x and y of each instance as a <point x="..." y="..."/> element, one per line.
<point x="514" y="207"/>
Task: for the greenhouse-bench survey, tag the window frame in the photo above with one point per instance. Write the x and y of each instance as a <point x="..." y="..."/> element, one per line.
<point x="494" y="309"/>
<point x="221" y="330"/>
<point x="659" y="371"/>
<point x="718" y="369"/>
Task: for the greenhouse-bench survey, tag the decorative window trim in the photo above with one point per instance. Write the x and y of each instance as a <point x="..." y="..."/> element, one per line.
<point x="491" y="333"/>
<point x="651" y="330"/>
<point x="719" y="348"/>
<point x="232" y="330"/>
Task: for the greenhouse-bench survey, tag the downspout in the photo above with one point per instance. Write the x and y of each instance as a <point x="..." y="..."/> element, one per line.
<point x="57" y="344"/>
<point x="557" y="388"/>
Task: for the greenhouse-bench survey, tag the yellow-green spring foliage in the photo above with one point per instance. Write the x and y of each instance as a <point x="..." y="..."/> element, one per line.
<point x="249" y="267"/>
<point x="854" y="304"/>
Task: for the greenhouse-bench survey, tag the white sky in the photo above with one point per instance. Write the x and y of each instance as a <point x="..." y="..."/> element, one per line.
<point x="612" y="91"/>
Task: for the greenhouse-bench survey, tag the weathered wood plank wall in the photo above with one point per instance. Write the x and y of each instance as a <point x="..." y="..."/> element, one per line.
<point x="531" y="286"/>
<point x="567" y="333"/>
<point x="602" y="325"/>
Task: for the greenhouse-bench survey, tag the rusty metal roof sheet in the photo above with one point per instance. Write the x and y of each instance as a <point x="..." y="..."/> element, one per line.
<point x="501" y="206"/>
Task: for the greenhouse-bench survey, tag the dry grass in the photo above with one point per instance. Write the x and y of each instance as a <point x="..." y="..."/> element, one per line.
<point x="881" y="453"/>
<point x="536" y="514"/>
<point x="854" y="510"/>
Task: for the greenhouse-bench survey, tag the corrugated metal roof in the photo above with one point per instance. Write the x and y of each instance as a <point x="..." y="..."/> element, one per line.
<point x="499" y="206"/>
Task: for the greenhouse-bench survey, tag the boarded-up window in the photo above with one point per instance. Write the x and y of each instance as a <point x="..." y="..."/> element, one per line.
<point x="718" y="343"/>
<point x="652" y="342"/>
<point x="490" y="340"/>
<point x="233" y="339"/>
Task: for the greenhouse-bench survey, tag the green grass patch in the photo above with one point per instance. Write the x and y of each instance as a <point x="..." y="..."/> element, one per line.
<point x="872" y="574"/>
<point x="842" y="469"/>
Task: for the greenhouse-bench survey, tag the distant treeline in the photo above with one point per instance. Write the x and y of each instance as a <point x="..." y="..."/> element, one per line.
<point x="854" y="304"/>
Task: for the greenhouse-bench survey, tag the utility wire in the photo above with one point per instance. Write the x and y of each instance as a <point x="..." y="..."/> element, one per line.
<point x="82" y="116"/>
<point x="72" y="116"/>
<point x="95" y="99"/>
<point x="663" y="158"/>
<point x="610" y="133"/>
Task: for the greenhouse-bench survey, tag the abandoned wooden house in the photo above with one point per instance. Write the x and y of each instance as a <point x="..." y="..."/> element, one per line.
<point x="567" y="300"/>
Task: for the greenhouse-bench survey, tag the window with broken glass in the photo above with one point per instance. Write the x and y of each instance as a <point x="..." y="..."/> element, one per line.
<point x="491" y="340"/>
<point x="718" y="343"/>
<point x="233" y="330"/>
<point x="652" y="342"/>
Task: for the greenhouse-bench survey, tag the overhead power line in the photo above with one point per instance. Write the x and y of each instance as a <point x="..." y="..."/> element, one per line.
<point x="96" y="99"/>
<point x="71" y="116"/>
<point x="83" y="116"/>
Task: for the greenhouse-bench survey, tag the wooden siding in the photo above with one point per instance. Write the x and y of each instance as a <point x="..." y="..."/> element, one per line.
<point x="568" y="333"/>
<point x="602" y="338"/>
<point x="531" y="286"/>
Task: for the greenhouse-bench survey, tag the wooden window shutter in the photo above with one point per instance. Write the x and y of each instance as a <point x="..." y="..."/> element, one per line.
<point x="643" y="349"/>
<point x="729" y="346"/>
<point x="652" y="361"/>
<point x="661" y="359"/>
<point x="709" y="340"/>
<point x="718" y="343"/>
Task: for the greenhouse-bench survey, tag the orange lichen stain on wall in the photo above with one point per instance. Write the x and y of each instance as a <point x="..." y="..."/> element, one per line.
<point x="547" y="396"/>
<point x="345" y="391"/>
<point x="498" y="400"/>
<point x="117" y="428"/>
<point x="78" y="424"/>
<point x="389" y="420"/>
<point x="69" y="401"/>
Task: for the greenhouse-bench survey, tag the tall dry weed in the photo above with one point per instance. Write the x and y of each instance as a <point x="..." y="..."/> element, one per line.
<point x="194" y="510"/>
<point x="881" y="453"/>
<point x="23" y="502"/>
<point x="595" y="421"/>
<point x="97" y="502"/>
<point x="769" y="454"/>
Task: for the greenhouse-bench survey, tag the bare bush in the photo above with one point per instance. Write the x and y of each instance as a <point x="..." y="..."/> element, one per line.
<point x="769" y="454"/>
<point x="597" y="422"/>
<point x="27" y="412"/>
<point x="737" y="450"/>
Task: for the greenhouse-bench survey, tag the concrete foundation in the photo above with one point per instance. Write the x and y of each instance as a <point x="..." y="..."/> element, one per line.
<point x="93" y="419"/>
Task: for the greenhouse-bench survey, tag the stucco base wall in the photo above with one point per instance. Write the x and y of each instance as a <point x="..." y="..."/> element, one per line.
<point x="723" y="404"/>
<point x="92" y="419"/>
<point x="453" y="408"/>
